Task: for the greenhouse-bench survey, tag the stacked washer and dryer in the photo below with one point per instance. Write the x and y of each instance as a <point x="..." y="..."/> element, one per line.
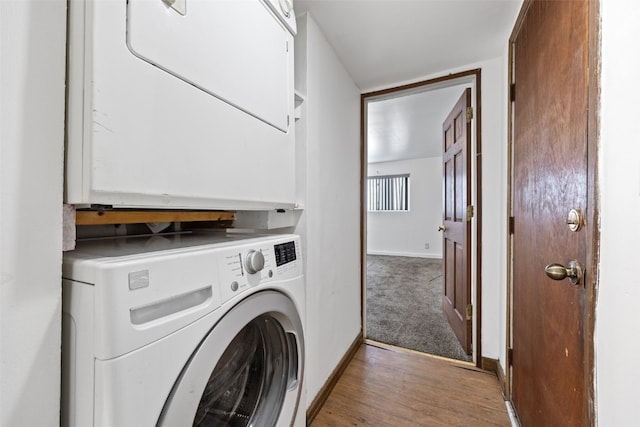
<point x="182" y="104"/>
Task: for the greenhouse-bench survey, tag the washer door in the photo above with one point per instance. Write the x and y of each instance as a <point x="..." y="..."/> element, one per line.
<point x="247" y="371"/>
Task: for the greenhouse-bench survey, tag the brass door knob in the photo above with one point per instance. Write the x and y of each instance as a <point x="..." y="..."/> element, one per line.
<point x="559" y="272"/>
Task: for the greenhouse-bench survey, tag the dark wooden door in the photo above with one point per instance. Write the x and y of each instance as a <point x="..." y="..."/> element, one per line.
<point x="456" y="300"/>
<point x="549" y="179"/>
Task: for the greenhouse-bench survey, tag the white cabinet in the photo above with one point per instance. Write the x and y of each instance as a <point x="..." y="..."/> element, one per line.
<point x="181" y="111"/>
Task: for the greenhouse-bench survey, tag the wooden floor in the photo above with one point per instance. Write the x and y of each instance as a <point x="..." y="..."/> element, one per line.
<point x="382" y="387"/>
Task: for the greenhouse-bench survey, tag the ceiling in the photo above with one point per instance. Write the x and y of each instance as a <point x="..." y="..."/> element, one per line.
<point x="410" y="126"/>
<point x="386" y="43"/>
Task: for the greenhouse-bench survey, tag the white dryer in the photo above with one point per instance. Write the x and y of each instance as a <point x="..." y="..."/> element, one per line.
<point x="181" y="104"/>
<point x="187" y="329"/>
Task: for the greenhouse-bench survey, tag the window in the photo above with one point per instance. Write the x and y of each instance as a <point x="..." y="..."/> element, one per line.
<point x="388" y="193"/>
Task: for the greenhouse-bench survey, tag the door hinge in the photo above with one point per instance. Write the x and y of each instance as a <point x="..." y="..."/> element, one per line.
<point x="469" y="311"/>
<point x="510" y="356"/>
<point x="512" y="92"/>
<point x="470" y="212"/>
<point x="287" y="46"/>
<point x="469" y="114"/>
<point x="512" y="225"/>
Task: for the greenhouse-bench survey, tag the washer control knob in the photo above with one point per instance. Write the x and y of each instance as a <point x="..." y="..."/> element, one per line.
<point x="254" y="262"/>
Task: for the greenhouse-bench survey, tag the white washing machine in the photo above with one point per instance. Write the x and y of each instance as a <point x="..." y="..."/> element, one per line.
<point x="187" y="329"/>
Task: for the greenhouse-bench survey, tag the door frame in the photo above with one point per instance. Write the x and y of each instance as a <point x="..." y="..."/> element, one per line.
<point x="476" y="182"/>
<point x="592" y="232"/>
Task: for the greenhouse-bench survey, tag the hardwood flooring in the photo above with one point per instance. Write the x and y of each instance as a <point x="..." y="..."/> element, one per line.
<point x="382" y="387"/>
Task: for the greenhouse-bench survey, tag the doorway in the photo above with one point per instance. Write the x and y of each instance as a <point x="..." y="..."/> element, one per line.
<point x="402" y="248"/>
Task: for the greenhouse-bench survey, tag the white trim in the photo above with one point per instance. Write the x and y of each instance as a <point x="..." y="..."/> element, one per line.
<point x="407" y="254"/>
<point x="512" y="414"/>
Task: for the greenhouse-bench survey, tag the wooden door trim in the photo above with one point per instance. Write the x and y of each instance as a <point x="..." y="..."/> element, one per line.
<point x="477" y="158"/>
<point x="592" y="232"/>
<point x="593" y="208"/>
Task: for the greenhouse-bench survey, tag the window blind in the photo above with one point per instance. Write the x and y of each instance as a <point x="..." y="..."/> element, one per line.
<point x="388" y="193"/>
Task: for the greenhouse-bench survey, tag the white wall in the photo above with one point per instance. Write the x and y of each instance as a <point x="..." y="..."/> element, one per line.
<point x="494" y="212"/>
<point x="405" y="233"/>
<point x="330" y="224"/>
<point x="32" y="61"/>
<point x="617" y="321"/>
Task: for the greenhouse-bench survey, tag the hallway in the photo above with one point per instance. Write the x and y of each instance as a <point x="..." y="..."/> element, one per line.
<point x="383" y="387"/>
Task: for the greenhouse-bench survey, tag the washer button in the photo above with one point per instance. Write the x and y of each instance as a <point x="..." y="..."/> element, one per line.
<point x="234" y="286"/>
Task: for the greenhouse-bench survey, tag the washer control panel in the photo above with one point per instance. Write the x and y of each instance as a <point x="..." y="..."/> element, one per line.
<point x="285" y="253"/>
<point x="245" y="266"/>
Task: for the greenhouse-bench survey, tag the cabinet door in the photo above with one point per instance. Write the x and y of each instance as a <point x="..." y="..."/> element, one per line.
<point x="236" y="51"/>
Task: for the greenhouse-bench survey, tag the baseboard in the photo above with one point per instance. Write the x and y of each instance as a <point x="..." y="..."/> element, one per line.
<point x="502" y="381"/>
<point x="493" y="365"/>
<point x="407" y="254"/>
<point x="328" y="386"/>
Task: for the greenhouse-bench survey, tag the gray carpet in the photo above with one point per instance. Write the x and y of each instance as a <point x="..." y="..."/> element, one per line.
<point x="404" y="306"/>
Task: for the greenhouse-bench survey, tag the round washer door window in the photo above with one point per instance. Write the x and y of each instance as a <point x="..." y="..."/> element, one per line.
<point x="246" y="372"/>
